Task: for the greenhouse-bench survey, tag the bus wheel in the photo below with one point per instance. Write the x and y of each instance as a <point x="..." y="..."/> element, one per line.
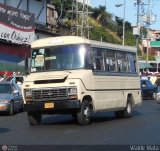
<point x="84" y="115"/>
<point x="11" y="109"/>
<point x="128" y="110"/>
<point x="34" y="118"/>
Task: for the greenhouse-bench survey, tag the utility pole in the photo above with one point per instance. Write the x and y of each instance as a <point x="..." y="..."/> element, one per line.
<point x="106" y="4"/>
<point x="137" y="2"/>
<point x="124" y="11"/>
<point x="148" y="23"/>
<point x="80" y="10"/>
<point x="148" y="18"/>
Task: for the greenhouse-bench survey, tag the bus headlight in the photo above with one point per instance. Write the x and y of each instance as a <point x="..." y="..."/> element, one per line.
<point x="28" y="95"/>
<point x="72" y="93"/>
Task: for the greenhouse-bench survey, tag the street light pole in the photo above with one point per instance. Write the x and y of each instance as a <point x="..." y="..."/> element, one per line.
<point x="124" y="9"/>
<point x="137" y="38"/>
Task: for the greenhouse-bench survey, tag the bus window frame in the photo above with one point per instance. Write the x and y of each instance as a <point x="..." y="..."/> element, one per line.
<point x="124" y="60"/>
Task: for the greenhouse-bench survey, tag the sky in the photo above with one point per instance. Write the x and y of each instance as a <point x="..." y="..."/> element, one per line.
<point x="130" y="10"/>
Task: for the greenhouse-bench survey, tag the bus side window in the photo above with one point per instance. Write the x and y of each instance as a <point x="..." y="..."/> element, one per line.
<point x="122" y="62"/>
<point x="132" y="62"/>
<point x="98" y="59"/>
<point x="112" y="64"/>
<point x="110" y="61"/>
<point x="107" y="64"/>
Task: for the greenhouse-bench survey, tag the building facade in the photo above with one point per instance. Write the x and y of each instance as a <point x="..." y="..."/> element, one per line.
<point x="153" y="44"/>
<point x="21" y="22"/>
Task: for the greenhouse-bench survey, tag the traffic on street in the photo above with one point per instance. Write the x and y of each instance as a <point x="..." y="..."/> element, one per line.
<point x="75" y="75"/>
<point x="105" y="129"/>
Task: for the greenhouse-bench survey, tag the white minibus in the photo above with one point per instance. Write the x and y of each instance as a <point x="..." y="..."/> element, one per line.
<point x="77" y="76"/>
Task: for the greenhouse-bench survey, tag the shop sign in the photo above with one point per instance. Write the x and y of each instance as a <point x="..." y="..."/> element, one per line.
<point x="16" y="25"/>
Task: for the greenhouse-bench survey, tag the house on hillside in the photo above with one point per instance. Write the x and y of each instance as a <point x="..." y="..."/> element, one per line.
<point x="153" y="44"/>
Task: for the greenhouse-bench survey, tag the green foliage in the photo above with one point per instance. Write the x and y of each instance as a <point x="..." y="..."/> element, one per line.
<point x="150" y="57"/>
<point x="101" y="15"/>
<point x="99" y="33"/>
<point x="66" y="5"/>
<point x="129" y="38"/>
<point x="128" y="26"/>
<point x="103" y="26"/>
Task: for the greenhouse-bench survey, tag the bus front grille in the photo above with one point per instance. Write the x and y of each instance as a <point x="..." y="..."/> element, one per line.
<point x="52" y="94"/>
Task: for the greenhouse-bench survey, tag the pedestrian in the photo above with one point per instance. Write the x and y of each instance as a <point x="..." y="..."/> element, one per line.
<point x="153" y="78"/>
<point x="144" y="77"/>
<point x="157" y="83"/>
<point x="1" y="77"/>
<point x="14" y="74"/>
<point x="5" y="74"/>
<point x="19" y="83"/>
<point x="18" y="73"/>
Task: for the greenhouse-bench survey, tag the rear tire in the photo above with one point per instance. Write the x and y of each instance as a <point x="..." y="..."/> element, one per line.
<point x="127" y="112"/>
<point x="34" y="118"/>
<point x="84" y="115"/>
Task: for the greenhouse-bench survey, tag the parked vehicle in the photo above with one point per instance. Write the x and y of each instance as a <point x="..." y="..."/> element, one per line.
<point x="16" y="79"/>
<point x="10" y="97"/>
<point x="158" y="95"/>
<point x="149" y="90"/>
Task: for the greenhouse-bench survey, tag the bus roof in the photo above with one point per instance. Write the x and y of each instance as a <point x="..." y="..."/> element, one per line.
<point x="68" y="40"/>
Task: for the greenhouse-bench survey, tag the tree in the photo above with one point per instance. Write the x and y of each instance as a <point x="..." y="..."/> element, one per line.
<point x="62" y="7"/>
<point x="101" y="15"/>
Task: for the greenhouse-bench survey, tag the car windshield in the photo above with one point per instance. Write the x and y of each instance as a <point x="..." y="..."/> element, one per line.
<point x="66" y="57"/>
<point x="5" y="88"/>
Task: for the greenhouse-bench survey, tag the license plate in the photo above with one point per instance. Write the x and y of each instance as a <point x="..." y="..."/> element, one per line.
<point x="48" y="105"/>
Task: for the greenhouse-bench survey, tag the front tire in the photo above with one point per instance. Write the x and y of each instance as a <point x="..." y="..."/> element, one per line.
<point x="11" y="109"/>
<point x="34" y="118"/>
<point x="154" y="96"/>
<point x="21" y="109"/>
<point x="84" y="115"/>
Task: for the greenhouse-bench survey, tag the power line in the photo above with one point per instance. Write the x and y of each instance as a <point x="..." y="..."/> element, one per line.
<point x="80" y="26"/>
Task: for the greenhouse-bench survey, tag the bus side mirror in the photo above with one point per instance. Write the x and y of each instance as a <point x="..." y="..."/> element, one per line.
<point x="27" y="65"/>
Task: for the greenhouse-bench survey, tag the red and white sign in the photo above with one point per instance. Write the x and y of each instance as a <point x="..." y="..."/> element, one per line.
<point x="16" y="25"/>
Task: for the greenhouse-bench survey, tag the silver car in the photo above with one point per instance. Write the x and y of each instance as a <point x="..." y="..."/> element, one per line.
<point x="10" y="97"/>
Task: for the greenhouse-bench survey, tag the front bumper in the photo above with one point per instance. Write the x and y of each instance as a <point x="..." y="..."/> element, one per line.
<point x="59" y="107"/>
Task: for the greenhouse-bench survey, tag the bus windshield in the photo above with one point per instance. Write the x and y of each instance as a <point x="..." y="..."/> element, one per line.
<point x="66" y="57"/>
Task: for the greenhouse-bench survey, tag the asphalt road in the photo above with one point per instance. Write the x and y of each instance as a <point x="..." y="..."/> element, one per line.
<point x="142" y="128"/>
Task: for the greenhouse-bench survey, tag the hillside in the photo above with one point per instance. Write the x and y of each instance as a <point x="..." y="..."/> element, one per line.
<point x="104" y="26"/>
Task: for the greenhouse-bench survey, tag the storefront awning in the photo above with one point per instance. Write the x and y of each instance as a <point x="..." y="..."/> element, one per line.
<point x="155" y="44"/>
<point x="144" y="65"/>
